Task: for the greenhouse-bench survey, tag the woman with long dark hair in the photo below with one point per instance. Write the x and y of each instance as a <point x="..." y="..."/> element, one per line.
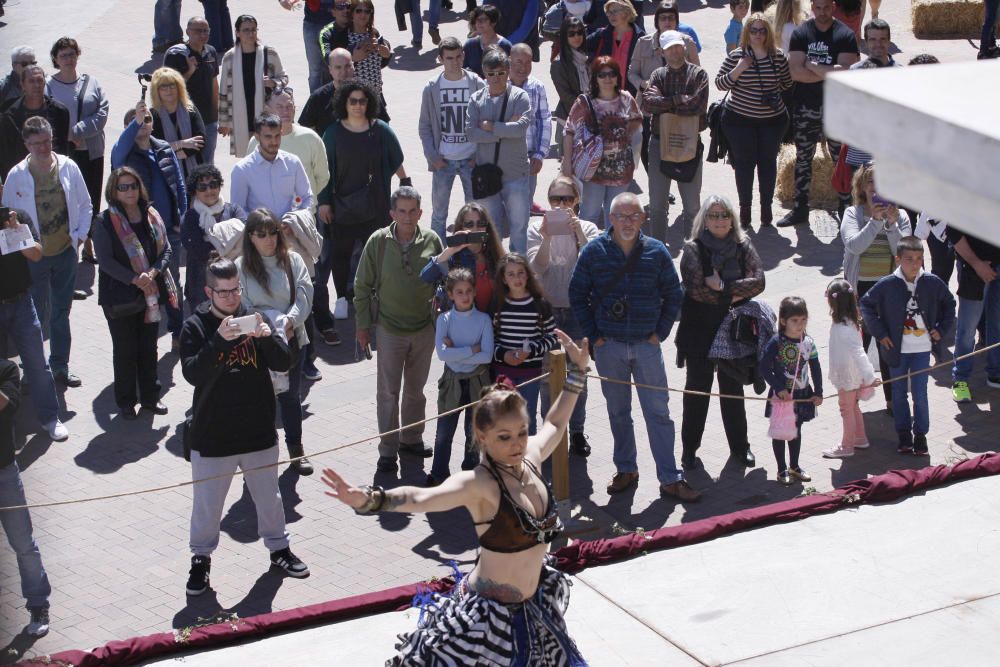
<point x="369" y="49"/>
<point x="133" y="254"/>
<point x="275" y="283"/>
<point x="570" y="71"/>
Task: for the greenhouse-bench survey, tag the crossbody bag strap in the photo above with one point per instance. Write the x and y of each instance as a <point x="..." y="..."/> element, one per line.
<point x="593" y="114"/>
<point x="79" y="99"/>
<point x="627" y="267"/>
<point x="503" y="112"/>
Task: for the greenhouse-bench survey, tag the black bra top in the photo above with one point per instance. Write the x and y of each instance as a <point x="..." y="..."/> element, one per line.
<point x="514" y="528"/>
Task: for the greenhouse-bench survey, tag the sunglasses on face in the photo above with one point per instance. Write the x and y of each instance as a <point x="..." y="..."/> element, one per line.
<point x="758" y="31"/>
<point x="208" y="185"/>
<point x="264" y="233"/>
<point x="493" y="75"/>
<point x="562" y="199"/>
<point x="576" y="33"/>
<point x="474" y="224"/>
<point x="362" y="10"/>
<point x="607" y="74"/>
<point x="718" y="216"/>
<point x="357" y="101"/>
<point x="125" y="187"/>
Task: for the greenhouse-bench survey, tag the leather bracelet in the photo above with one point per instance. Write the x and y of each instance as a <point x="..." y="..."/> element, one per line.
<point x="373" y="504"/>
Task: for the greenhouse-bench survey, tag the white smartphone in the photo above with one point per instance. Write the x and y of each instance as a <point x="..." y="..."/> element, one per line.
<point x="245" y="325"/>
<point x="557" y="222"/>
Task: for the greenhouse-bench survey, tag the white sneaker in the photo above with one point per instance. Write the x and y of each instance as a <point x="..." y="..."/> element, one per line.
<point x="863" y="445"/>
<point x="837" y="453"/>
<point x="340" y="309"/>
<point x="57" y="430"/>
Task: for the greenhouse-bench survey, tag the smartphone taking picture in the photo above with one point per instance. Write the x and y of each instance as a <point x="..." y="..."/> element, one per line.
<point x="245" y="325"/>
<point x="470" y="237"/>
<point x="557" y="222"/>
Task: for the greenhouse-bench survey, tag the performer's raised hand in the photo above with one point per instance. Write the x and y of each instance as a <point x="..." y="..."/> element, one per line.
<point x="342" y="491"/>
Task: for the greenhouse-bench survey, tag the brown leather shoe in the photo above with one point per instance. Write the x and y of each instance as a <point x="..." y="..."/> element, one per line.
<point x="680" y="490"/>
<point x="622" y="481"/>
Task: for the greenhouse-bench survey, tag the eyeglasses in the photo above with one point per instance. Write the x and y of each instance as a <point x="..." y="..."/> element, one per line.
<point x="167" y="86"/>
<point x="358" y="101"/>
<point x="363" y="10"/>
<point x="227" y="293"/>
<point x="208" y="185"/>
<point x="492" y="75"/>
<point x="25" y="63"/>
<point x="631" y="217"/>
<point x="264" y="233"/>
<point x="562" y="199"/>
<point x="125" y="187"/>
<point x="576" y="33"/>
<point x="718" y="216"/>
<point x="758" y="31"/>
<point x="607" y="74"/>
<point x="475" y="224"/>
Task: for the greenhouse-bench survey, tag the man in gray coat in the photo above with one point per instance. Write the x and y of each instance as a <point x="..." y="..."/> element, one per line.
<point x="448" y="151"/>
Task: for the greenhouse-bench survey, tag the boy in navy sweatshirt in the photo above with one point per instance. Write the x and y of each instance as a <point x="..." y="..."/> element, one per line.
<point x="909" y="311"/>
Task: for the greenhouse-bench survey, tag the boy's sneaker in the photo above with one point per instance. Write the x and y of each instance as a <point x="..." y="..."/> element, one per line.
<point x="198" y="577"/>
<point x="840" y="452"/>
<point x="57" y="431"/>
<point x="39" y="625"/>
<point x="920" y="444"/>
<point x="290" y="563"/>
<point x="310" y="372"/>
<point x="993" y="382"/>
<point x="960" y="392"/>
<point x="905" y="445"/>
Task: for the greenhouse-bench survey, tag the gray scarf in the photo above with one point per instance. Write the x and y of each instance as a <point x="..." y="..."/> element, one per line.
<point x="182" y="130"/>
<point x="725" y="256"/>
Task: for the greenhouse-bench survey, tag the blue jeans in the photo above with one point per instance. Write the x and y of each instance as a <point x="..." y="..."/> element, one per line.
<point x="167" y="22"/>
<point x="445" y="434"/>
<point x="19" y="321"/>
<point x="969" y="314"/>
<point x="314" y="55"/>
<point x="417" y="21"/>
<point x="211" y="141"/>
<point x="530" y="394"/>
<point x="290" y="402"/>
<point x="435" y="13"/>
<point x="908" y="363"/>
<point x="513" y="203"/>
<point x="175" y="316"/>
<point x="643" y="361"/>
<point x="565" y="321"/>
<point x="442" y="181"/>
<point x="220" y="23"/>
<point x="52" y="282"/>
<point x="595" y="204"/>
<point x="17" y="525"/>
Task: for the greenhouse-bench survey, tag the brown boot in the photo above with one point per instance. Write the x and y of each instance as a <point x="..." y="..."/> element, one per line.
<point x="680" y="490"/>
<point x="622" y="481"/>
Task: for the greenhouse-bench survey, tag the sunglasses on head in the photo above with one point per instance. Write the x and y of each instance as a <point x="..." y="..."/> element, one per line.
<point x="125" y="187"/>
<point x="208" y="185"/>
<point x="264" y="233"/>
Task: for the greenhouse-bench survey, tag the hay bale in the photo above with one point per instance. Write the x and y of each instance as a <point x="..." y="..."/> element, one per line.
<point x="821" y="192"/>
<point x="959" y="19"/>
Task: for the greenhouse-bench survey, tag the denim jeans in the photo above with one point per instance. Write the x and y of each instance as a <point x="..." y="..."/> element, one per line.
<point x="435" y="13"/>
<point x="175" y="316"/>
<point x="529" y="393"/>
<point x="920" y="422"/>
<point x="211" y="141"/>
<point x="969" y="314"/>
<point x="642" y="361"/>
<point x="595" y="202"/>
<point x="19" y="321"/>
<point x="52" y="282"/>
<point x="167" y="22"/>
<point x="314" y="55"/>
<point x="17" y="525"/>
<point x="290" y="403"/>
<point x="442" y="181"/>
<point x="417" y="21"/>
<point x="220" y="23"/>
<point x="513" y="203"/>
<point x="567" y="323"/>
<point x="659" y="188"/>
<point x="446" y="427"/>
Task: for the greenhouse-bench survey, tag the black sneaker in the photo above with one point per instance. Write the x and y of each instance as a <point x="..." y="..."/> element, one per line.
<point x="797" y="216"/>
<point x="39" y="625"/>
<point x="387" y="464"/>
<point x="198" y="578"/>
<point x="920" y="444"/>
<point x="578" y="444"/>
<point x="416" y="449"/>
<point x="905" y="443"/>
<point x="290" y="563"/>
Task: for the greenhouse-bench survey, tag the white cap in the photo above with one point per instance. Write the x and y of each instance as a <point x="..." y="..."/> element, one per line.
<point x="671" y="38"/>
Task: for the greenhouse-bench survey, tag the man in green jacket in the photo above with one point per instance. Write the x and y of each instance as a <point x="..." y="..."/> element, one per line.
<point x="390" y="296"/>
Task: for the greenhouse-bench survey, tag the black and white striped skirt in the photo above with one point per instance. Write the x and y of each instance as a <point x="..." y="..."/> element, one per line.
<point x="465" y="628"/>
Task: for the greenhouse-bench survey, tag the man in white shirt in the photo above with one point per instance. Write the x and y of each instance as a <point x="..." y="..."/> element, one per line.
<point x="448" y="151"/>
<point x="540" y="129"/>
<point x="270" y="177"/>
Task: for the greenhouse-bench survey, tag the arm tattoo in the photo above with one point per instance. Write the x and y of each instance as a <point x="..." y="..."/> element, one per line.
<point x="505" y="593"/>
<point x="393" y="499"/>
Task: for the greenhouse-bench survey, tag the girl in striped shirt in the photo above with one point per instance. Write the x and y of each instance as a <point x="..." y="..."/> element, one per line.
<point x="523" y="328"/>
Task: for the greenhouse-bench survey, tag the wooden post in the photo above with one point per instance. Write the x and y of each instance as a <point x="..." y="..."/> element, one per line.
<point x="560" y="457"/>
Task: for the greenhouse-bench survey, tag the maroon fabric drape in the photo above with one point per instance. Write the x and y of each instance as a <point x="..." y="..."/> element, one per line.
<point x="574" y="558"/>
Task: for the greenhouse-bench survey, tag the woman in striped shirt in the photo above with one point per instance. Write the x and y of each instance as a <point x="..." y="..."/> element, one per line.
<point x="755" y="116"/>
<point x="523" y="328"/>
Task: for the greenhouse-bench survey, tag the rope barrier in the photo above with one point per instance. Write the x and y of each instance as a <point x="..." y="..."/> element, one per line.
<point x="354" y="443"/>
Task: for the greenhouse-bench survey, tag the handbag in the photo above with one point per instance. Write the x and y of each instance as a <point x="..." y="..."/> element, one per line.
<point x="841" y="179"/>
<point x="679" y="137"/>
<point x="683" y="172"/>
<point x="487" y="179"/>
<point x="119" y="310"/>
<point x="366" y="205"/>
<point x="588" y="149"/>
<point x="743" y="329"/>
<point x="783" y="418"/>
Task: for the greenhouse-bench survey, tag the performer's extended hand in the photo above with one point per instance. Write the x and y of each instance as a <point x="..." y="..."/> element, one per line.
<point x="578" y="354"/>
<point x="342" y="491"/>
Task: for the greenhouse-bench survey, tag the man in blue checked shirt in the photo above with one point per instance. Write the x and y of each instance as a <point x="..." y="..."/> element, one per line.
<point x="626" y="294"/>
<point x="540" y="128"/>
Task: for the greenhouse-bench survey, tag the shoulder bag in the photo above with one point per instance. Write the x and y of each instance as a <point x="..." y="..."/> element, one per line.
<point x="588" y="148"/>
<point x="366" y="205"/>
<point x="487" y="179"/>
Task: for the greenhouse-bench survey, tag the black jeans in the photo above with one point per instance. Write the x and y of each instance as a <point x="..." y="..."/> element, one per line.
<point x="93" y="175"/>
<point x="734" y="416"/>
<point x="866" y="339"/>
<point x="133" y="357"/>
<point x="942" y="258"/>
<point x="753" y="146"/>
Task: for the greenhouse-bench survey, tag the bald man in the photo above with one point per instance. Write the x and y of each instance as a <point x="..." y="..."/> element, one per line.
<point x="317" y="114"/>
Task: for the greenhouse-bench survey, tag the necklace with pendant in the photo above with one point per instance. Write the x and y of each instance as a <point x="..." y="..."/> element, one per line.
<point x="509" y="470"/>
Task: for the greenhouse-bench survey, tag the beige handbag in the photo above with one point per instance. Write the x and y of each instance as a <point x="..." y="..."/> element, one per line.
<point x="678" y="137"/>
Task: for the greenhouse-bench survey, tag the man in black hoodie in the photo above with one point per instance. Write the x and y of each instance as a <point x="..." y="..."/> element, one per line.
<point x="17" y="523"/>
<point x="232" y="422"/>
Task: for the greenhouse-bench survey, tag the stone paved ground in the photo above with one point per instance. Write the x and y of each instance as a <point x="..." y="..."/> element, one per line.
<point x="118" y="567"/>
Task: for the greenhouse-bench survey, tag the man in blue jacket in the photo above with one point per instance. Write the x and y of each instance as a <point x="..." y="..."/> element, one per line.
<point x="626" y="295"/>
<point x="161" y="173"/>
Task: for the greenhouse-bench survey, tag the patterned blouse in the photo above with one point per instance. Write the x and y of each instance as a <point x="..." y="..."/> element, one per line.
<point x="369" y="70"/>
<point x="615" y="118"/>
